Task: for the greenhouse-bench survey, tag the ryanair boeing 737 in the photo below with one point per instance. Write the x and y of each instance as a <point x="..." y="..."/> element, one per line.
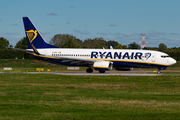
<point x="98" y="59"/>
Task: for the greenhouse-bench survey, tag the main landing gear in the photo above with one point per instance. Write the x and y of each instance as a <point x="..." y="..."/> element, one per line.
<point x="89" y="70"/>
<point x="102" y="71"/>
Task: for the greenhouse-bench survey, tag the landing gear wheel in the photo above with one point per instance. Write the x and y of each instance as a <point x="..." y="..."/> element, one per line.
<point x="89" y="70"/>
<point x="102" y="71"/>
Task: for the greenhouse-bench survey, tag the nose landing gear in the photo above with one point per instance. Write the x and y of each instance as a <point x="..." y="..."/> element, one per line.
<point x="162" y="68"/>
<point x="158" y="72"/>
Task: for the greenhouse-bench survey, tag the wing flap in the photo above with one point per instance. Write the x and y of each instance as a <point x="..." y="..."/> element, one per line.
<point x="78" y="61"/>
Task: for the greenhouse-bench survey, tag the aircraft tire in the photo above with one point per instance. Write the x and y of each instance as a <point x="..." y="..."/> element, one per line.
<point x="89" y="70"/>
<point x="102" y="71"/>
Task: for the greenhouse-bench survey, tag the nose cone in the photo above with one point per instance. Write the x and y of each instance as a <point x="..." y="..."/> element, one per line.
<point x="172" y="61"/>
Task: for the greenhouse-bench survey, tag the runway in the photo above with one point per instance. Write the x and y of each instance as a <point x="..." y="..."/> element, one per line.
<point x="94" y="74"/>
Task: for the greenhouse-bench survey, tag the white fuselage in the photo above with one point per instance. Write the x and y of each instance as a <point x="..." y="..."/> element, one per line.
<point x="113" y="55"/>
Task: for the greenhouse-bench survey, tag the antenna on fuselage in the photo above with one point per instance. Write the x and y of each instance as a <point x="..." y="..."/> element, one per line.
<point x="111" y="47"/>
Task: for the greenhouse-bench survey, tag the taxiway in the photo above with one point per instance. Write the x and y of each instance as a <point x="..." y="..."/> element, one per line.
<point x="94" y="74"/>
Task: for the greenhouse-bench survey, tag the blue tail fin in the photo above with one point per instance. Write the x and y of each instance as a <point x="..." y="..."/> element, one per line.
<point x="34" y="39"/>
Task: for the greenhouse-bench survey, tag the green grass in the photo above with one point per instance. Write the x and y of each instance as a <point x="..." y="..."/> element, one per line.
<point x="23" y="65"/>
<point x="46" y="96"/>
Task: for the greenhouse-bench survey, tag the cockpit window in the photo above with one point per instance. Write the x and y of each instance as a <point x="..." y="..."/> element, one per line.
<point x="164" y="56"/>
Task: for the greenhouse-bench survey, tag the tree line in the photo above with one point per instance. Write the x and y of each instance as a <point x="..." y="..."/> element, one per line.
<point x="69" y="41"/>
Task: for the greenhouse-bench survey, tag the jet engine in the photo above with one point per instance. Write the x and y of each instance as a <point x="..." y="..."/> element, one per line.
<point x="103" y="65"/>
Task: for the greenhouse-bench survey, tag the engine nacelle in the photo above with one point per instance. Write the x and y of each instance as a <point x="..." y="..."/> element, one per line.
<point x="123" y="69"/>
<point x="103" y="65"/>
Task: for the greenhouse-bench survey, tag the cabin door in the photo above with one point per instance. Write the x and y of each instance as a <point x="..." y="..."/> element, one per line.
<point x="153" y="57"/>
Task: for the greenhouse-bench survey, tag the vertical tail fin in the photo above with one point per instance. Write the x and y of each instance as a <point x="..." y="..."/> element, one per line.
<point x="34" y="39"/>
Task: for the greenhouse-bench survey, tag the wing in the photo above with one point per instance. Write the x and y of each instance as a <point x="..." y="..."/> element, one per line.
<point x="77" y="61"/>
<point x="69" y="60"/>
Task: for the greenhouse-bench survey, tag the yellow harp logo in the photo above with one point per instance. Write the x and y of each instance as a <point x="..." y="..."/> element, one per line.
<point x="31" y="34"/>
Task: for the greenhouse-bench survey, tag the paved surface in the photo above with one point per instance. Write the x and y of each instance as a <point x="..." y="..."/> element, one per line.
<point x="79" y="73"/>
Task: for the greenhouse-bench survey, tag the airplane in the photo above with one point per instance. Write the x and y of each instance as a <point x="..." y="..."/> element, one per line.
<point x="98" y="59"/>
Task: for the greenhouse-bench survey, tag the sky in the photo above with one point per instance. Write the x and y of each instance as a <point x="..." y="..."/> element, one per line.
<point x="119" y="20"/>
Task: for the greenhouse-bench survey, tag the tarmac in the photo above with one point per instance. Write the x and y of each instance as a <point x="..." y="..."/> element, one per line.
<point x="108" y="73"/>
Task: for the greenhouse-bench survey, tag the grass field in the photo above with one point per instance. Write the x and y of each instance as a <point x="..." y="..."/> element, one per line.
<point x="29" y="65"/>
<point x="46" y="96"/>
